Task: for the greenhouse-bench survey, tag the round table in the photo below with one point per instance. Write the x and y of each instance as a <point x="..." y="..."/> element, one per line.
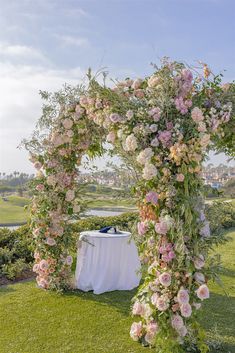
<point x="106" y="262"/>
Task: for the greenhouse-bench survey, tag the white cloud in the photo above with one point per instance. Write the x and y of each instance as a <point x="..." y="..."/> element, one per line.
<point x="20" y="106"/>
<point x="73" y="41"/>
<point x="20" y="51"/>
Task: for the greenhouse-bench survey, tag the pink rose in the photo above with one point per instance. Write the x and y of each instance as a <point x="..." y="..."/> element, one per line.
<point x="111" y="137"/>
<point x="164" y="137"/>
<point x="161" y="228"/>
<point x="180" y="177"/>
<point x="199" y="277"/>
<point x="183" y="296"/>
<point x="152" y="328"/>
<point x="139" y="93"/>
<point x="154" y="299"/>
<point x="182" y="331"/>
<point x="36" y="268"/>
<point x="70" y="195"/>
<point x="199" y="262"/>
<point x="67" y="123"/>
<point x="38" y="165"/>
<point x="165" y="279"/>
<point x="43" y="264"/>
<point x="203" y="292"/>
<point x="177" y="322"/>
<point x="40" y="187"/>
<point x="142" y="228"/>
<point x="138" y="309"/>
<point x="162" y="303"/>
<point x="152" y="197"/>
<point x="69" y="260"/>
<point x="51" y="241"/>
<point x="136" y="330"/>
<point x="186" y="310"/>
<point x="115" y="118"/>
<point x="137" y="83"/>
<point x="197" y="115"/>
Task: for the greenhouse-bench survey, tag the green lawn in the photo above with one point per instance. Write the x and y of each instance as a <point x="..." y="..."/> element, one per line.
<point x="12" y="211"/>
<point x="36" y="321"/>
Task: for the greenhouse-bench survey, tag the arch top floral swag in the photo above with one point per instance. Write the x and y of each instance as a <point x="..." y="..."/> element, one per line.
<point x="164" y="126"/>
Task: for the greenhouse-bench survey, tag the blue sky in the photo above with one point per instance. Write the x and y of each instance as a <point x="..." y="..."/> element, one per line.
<point x="44" y="43"/>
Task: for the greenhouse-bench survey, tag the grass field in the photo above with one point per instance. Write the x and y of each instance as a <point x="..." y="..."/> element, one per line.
<point x="12" y="210"/>
<point x="36" y="321"/>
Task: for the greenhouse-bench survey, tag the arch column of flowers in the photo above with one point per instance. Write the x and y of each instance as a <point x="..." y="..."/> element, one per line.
<point x="164" y="125"/>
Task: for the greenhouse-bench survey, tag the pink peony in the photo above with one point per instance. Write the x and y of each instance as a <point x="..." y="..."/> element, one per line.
<point x="183" y="296"/>
<point x="165" y="279"/>
<point x="186" y="310"/>
<point x="177" y="322"/>
<point x="136" y="330"/>
<point x="203" y="292"/>
<point x="197" y="115"/>
<point x="152" y="197"/>
<point x="161" y="227"/>
<point x="138" y="309"/>
<point x="67" y="123"/>
<point x="180" y="177"/>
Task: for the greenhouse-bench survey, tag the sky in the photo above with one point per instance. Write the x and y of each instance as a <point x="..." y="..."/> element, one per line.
<point x="45" y="43"/>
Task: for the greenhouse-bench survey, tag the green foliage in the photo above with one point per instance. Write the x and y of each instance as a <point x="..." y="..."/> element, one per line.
<point x="221" y="216"/>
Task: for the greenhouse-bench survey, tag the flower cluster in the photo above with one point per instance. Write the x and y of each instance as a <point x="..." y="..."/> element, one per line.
<point x="163" y="125"/>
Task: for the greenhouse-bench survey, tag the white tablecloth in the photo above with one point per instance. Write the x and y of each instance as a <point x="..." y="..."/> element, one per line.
<point x="110" y="263"/>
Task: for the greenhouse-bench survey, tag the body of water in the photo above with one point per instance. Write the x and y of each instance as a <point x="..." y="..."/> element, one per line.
<point x="91" y="212"/>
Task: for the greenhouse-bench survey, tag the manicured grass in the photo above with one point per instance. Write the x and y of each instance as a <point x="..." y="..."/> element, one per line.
<point x="36" y="321"/>
<point x="12" y="210"/>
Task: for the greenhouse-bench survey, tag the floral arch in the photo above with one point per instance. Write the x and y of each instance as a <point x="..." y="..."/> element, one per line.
<point x="164" y="126"/>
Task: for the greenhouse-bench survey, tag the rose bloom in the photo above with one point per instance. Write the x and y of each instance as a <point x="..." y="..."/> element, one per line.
<point x="142" y="228"/>
<point x="137" y="83"/>
<point x="145" y="156"/>
<point x="177" y="322"/>
<point x="69" y="260"/>
<point x="70" y="195"/>
<point x="136" y="330"/>
<point x="36" y="268"/>
<point x="149" y="171"/>
<point x="115" y="118"/>
<point x="154" y="299"/>
<point x="111" y="137"/>
<point x="180" y="177"/>
<point x="40" y="187"/>
<point x="152" y="328"/>
<point x="165" y="279"/>
<point x="203" y="292"/>
<point x="42" y="283"/>
<point x="199" y="262"/>
<point x="186" y="310"/>
<point x="152" y="197"/>
<point x="197" y="115"/>
<point x="138" y="308"/>
<point x="37" y="165"/>
<point x="183" y="296"/>
<point x="199" y="277"/>
<point x="131" y="143"/>
<point x="129" y="114"/>
<point x="154" y="142"/>
<point x="43" y="264"/>
<point x="161" y="227"/>
<point x="67" y="123"/>
<point x="50" y="241"/>
<point x="182" y="331"/>
<point x="162" y="303"/>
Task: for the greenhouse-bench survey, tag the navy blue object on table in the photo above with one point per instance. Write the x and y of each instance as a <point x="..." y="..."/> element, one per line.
<point x="106" y="229"/>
